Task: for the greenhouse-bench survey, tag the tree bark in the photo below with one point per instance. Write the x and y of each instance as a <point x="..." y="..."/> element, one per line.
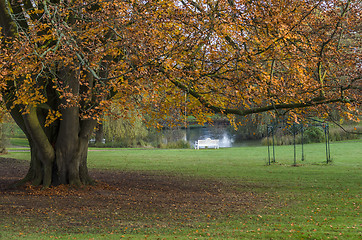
<point x="63" y="161"/>
<point x="59" y="151"/>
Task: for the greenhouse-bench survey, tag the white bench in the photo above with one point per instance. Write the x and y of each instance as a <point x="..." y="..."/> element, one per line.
<point x="208" y="142"/>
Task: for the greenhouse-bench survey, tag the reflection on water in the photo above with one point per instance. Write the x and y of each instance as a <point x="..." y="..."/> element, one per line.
<point x="224" y="134"/>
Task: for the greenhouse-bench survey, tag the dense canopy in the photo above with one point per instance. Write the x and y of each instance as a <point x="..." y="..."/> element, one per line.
<point x="63" y="63"/>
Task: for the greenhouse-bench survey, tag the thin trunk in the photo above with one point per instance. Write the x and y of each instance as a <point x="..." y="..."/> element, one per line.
<point x="87" y="127"/>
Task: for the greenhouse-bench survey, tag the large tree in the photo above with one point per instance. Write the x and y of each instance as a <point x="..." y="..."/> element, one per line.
<point x="63" y="62"/>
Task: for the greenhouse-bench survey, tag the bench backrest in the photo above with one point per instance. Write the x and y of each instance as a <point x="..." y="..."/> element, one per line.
<point x="208" y="141"/>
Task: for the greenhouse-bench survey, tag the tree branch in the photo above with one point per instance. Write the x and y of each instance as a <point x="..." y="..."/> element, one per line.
<point x="6" y="22"/>
<point x="285" y="106"/>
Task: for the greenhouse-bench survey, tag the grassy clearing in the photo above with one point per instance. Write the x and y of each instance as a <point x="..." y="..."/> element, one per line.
<point x="310" y="201"/>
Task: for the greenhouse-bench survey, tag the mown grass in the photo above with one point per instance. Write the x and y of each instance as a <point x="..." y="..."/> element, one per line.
<point x="18" y="142"/>
<point x="312" y="200"/>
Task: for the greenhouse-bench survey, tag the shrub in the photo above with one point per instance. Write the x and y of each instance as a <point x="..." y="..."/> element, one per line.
<point x="175" y="145"/>
<point x="338" y="134"/>
<point x="282" y="140"/>
<point x="313" y="135"/>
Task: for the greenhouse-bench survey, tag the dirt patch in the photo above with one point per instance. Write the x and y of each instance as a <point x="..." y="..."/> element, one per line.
<point x="120" y="199"/>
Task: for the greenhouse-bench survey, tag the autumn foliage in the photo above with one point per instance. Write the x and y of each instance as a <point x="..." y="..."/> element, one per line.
<point x="64" y="63"/>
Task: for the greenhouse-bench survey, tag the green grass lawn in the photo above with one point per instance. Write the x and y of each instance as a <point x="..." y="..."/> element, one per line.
<point x="18" y="143"/>
<point x="312" y="200"/>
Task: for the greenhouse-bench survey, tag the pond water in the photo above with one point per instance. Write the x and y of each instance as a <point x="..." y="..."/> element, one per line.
<point x="225" y="135"/>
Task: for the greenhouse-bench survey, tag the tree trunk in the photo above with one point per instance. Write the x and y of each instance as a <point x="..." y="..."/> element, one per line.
<point x="58" y="154"/>
<point x="59" y="151"/>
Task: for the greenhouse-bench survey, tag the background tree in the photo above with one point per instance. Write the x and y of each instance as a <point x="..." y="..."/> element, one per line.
<point x="4" y="140"/>
<point x="125" y="131"/>
<point x="99" y="133"/>
<point x="63" y="62"/>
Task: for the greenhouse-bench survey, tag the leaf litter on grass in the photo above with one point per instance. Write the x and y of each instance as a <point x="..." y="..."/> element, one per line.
<point x="124" y="202"/>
